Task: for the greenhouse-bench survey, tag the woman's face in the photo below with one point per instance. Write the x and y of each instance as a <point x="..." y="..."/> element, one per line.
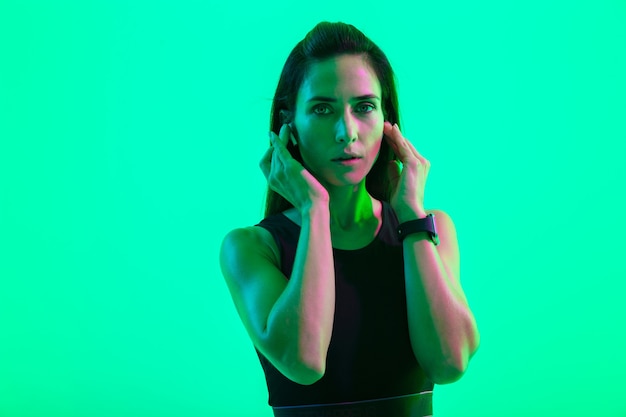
<point x="339" y="120"/>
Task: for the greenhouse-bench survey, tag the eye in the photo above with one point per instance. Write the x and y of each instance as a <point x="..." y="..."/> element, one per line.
<point x="365" y="107"/>
<point x="319" y="110"/>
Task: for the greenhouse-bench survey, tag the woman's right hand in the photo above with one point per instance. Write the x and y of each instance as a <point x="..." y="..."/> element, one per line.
<point x="288" y="177"/>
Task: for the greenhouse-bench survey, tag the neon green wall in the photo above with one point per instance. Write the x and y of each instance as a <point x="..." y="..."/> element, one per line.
<point x="130" y="134"/>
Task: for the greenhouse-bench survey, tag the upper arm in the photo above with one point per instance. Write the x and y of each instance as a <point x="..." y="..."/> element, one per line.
<point x="249" y="263"/>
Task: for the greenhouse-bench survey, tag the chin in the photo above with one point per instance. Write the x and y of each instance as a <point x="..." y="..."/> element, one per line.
<point x="331" y="178"/>
<point x="346" y="181"/>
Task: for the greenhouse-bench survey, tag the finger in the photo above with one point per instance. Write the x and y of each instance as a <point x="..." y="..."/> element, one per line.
<point x="284" y="133"/>
<point x="407" y="145"/>
<point x="415" y="152"/>
<point x="388" y="135"/>
<point x="266" y="162"/>
<point x="399" y="144"/>
<point x="291" y="136"/>
<point x="404" y="141"/>
<point x="425" y="162"/>
<point x="280" y="151"/>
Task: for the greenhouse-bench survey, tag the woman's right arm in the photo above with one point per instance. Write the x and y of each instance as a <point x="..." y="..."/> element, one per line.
<point x="290" y="321"/>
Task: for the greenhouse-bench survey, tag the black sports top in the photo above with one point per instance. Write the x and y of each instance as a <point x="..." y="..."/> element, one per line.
<point x="370" y="355"/>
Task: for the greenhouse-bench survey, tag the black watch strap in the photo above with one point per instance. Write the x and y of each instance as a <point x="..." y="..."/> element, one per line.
<point x="427" y="224"/>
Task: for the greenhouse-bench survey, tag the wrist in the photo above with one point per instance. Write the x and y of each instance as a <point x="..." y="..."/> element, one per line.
<point x="419" y="229"/>
<point x="315" y="209"/>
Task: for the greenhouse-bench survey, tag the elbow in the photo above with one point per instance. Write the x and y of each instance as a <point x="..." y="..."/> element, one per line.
<point x="308" y="362"/>
<point x="310" y="376"/>
<point x="449" y="364"/>
<point x="305" y="372"/>
<point x="452" y="368"/>
<point x="302" y="364"/>
<point x="301" y="367"/>
<point x="310" y="366"/>
<point x="446" y="373"/>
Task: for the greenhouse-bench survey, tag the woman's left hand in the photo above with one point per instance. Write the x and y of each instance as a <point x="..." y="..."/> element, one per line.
<point x="408" y="181"/>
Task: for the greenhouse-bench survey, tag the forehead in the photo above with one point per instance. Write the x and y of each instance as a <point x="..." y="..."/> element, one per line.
<point x="342" y="76"/>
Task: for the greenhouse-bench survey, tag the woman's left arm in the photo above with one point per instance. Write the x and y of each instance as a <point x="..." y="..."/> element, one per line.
<point x="442" y="328"/>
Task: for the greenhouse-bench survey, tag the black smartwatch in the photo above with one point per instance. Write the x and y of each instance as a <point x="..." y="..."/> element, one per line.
<point x="427" y="224"/>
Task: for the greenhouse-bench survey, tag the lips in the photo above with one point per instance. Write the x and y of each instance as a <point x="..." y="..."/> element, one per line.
<point x="346" y="157"/>
<point x="347" y="160"/>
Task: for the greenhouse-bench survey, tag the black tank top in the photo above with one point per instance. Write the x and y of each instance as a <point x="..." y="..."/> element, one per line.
<point x="370" y="353"/>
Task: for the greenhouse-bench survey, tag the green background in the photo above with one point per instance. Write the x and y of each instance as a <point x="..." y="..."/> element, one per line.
<point x="130" y="135"/>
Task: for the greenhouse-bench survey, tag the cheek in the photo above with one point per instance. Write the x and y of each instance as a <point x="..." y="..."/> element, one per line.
<point x="309" y="152"/>
<point x="310" y="143"/>
<point x="376" y="153"/>
<point x="377" y="143"/>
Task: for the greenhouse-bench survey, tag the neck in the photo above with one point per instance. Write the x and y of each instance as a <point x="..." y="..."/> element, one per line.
<point x="350" y="206"/>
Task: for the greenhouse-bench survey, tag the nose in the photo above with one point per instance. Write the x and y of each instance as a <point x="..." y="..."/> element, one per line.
<point x="346" y="129"/>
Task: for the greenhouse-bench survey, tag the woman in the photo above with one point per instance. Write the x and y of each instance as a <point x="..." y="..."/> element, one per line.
<point x="351" y="297"/>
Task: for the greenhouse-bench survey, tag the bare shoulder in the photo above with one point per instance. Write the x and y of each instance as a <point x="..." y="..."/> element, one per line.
<point x="240" y="242"/>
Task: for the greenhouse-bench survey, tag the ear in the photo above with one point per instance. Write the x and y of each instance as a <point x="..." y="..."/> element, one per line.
<point x="286" y="117"/>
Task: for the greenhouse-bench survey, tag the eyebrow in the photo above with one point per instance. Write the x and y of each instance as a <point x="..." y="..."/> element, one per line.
<point x="334" y="100"/>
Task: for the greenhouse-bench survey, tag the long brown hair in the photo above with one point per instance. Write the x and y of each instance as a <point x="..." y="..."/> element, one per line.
<point x="327" y="40"/>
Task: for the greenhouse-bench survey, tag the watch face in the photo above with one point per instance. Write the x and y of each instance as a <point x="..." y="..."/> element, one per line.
<point x="434" y="235"/>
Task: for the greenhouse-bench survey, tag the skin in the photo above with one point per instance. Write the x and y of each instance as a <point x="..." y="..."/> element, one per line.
<point x="327" y="129"/>
<point x="290" y="320"/>
<point x="347" y="125"/>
